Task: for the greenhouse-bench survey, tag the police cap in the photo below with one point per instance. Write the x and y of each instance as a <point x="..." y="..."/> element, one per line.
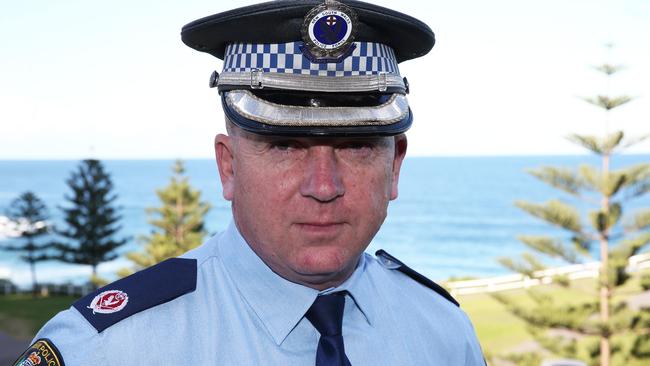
<point x="312" y="68"/>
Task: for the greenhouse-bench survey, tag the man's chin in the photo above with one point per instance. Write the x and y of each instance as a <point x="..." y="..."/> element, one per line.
<point x="327" y="265"/>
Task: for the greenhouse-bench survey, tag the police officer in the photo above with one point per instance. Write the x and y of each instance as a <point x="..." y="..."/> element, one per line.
<point x="316" y="112"/>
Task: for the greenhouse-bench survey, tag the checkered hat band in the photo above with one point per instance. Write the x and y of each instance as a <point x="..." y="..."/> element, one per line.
<point x="367" y="58"/>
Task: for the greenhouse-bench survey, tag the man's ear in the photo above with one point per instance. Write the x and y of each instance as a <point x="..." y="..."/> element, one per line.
<point x="223" y="150"/>
<point x="400" y="153"/>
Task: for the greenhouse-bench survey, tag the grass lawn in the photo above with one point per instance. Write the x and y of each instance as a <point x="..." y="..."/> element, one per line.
<point x="500" y="332"/>
<point x="21" y="316"/>
<point x="497" y="329"/>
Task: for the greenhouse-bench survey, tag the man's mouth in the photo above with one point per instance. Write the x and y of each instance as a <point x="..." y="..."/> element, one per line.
<point x="320" y="227"/>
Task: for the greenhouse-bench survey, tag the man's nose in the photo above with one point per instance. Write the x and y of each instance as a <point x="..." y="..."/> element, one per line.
<point x="322" y="177"/>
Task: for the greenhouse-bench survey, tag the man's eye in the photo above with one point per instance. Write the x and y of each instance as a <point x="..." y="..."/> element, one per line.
<point x="284" y="145"/>
<point x="357" y="146"/>
<point x="356" y="150"/>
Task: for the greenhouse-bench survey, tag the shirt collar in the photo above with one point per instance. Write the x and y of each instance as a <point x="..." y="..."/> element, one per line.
<point x="360" y="288"/>
<point x="280" y="304"/>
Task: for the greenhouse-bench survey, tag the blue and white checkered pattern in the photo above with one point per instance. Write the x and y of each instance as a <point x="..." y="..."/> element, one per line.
<point x="367" y="58"/>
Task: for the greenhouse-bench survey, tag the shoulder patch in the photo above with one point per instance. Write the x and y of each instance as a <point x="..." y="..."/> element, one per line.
<point x="391" y="262"/>
<point x="42" y="353"/>
<point x="140" y="291"/>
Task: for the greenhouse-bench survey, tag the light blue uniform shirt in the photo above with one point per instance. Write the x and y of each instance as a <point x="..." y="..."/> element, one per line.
<point x="242" y="313"/>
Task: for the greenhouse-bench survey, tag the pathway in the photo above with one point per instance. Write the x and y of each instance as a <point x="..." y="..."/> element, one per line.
<point x="11" y="348"/>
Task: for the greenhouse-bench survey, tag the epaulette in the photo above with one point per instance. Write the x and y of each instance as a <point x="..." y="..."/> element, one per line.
<point x="140" y="291"/>
<point x="391" y="262"/>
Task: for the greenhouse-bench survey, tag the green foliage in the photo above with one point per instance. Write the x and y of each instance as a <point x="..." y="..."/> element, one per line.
<point x="637" y="180"/>
<point x="611" y="141"/>
<point x="607" y="103"/>
<point x="642" y="319"/>
<point x="619" y="256"/>
<point x="598" y="145"/>
<point x="91" y="218"/>
<point x="564" y="329"/>
<point x="527" y="266"/>
<point x="562" y="280"/>
<point x="550" y="246"/>
<point x="554" y="212"/>
<point x="592" y="143"/>
<point x="525" y="359"/>
<point x="29" y="210"/>
<point x="560" y="178"/>
<point x="565" y="346"/>
<point x="607" y="184"/>
<point x="582" y="244"/>
<point x="591" y="178"/>
<point x="179" y="223"/>
<point x="631" y="245"/>
<point x="641" y="347"/>
<point x="633" y="141"/>
<point x="547" y="314"/>
<point x="602" y="221"/>
<point x="608" y="69"/>
<point x="645" y="282"/>
<point x="640" y="221"/>
<point x="615" y="142"/>
<point x="612" y="183"/>
<point x="97" y="281"/>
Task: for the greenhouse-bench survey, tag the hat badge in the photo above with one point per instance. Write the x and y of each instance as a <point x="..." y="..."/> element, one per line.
<point x="328" y="32"/>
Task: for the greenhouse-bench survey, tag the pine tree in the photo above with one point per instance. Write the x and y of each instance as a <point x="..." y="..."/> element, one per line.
<point x="179" y="223"/>
<point x="31" y="213"/>
<point x="605" y="319"/>
<point x="91" y="220"/>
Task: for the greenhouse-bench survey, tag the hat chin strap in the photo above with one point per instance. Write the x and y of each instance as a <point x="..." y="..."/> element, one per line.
<point x="249" y="106"/>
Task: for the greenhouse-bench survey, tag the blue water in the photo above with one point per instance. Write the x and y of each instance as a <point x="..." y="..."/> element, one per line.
<point x="454" y="216"/>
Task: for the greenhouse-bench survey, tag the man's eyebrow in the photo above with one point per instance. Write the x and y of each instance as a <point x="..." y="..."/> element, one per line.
<point x="378" y="141"/>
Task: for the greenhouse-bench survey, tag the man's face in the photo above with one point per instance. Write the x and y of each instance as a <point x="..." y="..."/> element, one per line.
<point x="309" y="207"/>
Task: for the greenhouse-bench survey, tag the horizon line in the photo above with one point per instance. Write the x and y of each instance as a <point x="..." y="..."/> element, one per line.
<point x="495" y="155"/>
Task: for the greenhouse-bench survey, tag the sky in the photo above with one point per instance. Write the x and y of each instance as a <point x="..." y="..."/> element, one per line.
<point x="112" y="80"/>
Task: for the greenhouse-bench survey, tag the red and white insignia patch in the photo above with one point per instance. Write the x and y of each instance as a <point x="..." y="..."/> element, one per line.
<point x="109" y="302"/>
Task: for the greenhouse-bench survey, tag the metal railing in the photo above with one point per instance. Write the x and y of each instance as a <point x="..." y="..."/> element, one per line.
<point x="543" y="277"/>
<point x="48" y="289"/>
<point x="465" y="287"/>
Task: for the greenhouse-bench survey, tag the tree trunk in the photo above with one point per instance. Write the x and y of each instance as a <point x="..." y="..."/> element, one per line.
<point x="32" y="266"/>
<point x="178" y="234"/>
<point x="604" y="273"/>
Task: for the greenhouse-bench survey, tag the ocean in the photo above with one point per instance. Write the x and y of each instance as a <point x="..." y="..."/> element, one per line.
<point x="454" y="216"/>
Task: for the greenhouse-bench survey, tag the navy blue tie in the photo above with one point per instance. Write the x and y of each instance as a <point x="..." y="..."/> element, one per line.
<point x="326" y="315"/>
